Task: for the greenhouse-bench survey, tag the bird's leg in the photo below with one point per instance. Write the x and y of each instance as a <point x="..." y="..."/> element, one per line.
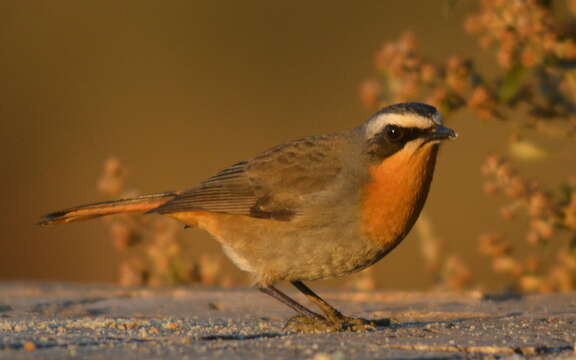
<point x="306" y="321"/>
<point x="339" y="321"/>
<point x="278" y="295"/>
<point x="331" y="313"/>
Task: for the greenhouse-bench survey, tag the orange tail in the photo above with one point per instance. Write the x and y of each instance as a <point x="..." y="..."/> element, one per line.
<point x="85" y="212"/>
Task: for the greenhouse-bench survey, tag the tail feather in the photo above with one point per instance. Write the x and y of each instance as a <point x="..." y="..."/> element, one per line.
<point x="84" y="212"/>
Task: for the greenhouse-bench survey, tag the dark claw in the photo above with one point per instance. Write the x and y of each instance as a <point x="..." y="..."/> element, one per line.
<point x="308" y="324"/>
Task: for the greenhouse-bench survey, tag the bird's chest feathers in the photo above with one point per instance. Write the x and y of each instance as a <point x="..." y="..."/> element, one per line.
<point x="395" y="195"/>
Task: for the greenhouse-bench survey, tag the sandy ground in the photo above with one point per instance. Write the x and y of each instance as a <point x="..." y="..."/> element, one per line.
<point x="54" y="321"/>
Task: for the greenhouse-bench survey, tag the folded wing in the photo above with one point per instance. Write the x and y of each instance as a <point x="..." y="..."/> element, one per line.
<point x="274" y="185"/>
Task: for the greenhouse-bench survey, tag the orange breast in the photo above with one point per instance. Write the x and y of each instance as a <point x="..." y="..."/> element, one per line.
<point x="395" y="196"/>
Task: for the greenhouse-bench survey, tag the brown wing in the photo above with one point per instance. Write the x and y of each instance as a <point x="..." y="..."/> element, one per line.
<point x="229" y="191"/>
<point x="272" y="185"/>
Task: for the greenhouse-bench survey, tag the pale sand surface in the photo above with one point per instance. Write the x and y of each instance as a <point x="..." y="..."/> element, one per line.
<point x="54" y="321"/>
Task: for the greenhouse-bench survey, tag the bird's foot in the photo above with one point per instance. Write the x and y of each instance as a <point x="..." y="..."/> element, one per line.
<point x="309" y="324"/>
<point x="356" y="324"/>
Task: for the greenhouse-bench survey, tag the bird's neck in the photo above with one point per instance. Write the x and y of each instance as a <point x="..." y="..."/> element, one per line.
<point x="396" y="194"/>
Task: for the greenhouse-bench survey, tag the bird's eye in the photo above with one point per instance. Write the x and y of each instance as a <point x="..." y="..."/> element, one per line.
<point x="393" y="132"/>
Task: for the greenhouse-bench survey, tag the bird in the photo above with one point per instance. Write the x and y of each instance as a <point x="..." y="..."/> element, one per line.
<point x="318" y="207"/>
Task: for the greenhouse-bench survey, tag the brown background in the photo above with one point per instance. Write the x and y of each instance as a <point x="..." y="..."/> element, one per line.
<point x="178" y="90"/>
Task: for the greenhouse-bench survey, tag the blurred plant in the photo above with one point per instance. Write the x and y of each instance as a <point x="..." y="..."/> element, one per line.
<point x="151" y="246"/>
<point x="552" y="219"/>
<point x="534" y="90"/>
<point x="450" y="272"/>
<point x="364" y="280"/>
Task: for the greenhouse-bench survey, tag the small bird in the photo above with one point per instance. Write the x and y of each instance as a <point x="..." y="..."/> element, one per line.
<point x="314" y="208"/>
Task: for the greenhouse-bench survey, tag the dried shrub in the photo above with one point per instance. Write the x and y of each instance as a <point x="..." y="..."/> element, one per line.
<point x="547" y="262"/>
<point x="534" y="91"/>
<point x="152" y="247"/>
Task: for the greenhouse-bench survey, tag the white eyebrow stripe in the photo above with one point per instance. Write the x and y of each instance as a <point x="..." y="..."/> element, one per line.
<point x="376" y="125"/>
<point x="438" y="119"/>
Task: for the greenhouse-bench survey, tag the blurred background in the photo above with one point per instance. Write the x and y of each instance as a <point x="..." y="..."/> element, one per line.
<point x="175" y="91"/>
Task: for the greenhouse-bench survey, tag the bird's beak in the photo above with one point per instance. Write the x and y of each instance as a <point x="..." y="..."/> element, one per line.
<point x="441" y="132"/>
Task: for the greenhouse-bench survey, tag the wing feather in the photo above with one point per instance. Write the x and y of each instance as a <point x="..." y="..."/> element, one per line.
<point x="272" y="185"/>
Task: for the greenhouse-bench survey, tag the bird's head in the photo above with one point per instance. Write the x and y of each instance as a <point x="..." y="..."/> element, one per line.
<point x="405" y="127"/>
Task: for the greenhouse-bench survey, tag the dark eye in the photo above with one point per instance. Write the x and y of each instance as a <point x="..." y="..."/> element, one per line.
<point x="393" y="132"/>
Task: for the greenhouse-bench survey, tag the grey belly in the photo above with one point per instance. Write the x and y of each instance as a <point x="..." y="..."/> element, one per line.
<point x="318" y="252"/>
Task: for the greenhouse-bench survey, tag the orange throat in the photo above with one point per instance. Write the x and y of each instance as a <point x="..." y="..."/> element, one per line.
<point x="395" y="196"/>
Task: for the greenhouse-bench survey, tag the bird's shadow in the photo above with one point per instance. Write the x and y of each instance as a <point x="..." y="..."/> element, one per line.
<point x="449" y="322"/>
<point x="381" y="324"/>
<point x="243" y="337"/>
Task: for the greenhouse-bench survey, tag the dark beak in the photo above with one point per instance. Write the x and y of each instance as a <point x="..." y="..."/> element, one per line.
<point x="441" y="132"/>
